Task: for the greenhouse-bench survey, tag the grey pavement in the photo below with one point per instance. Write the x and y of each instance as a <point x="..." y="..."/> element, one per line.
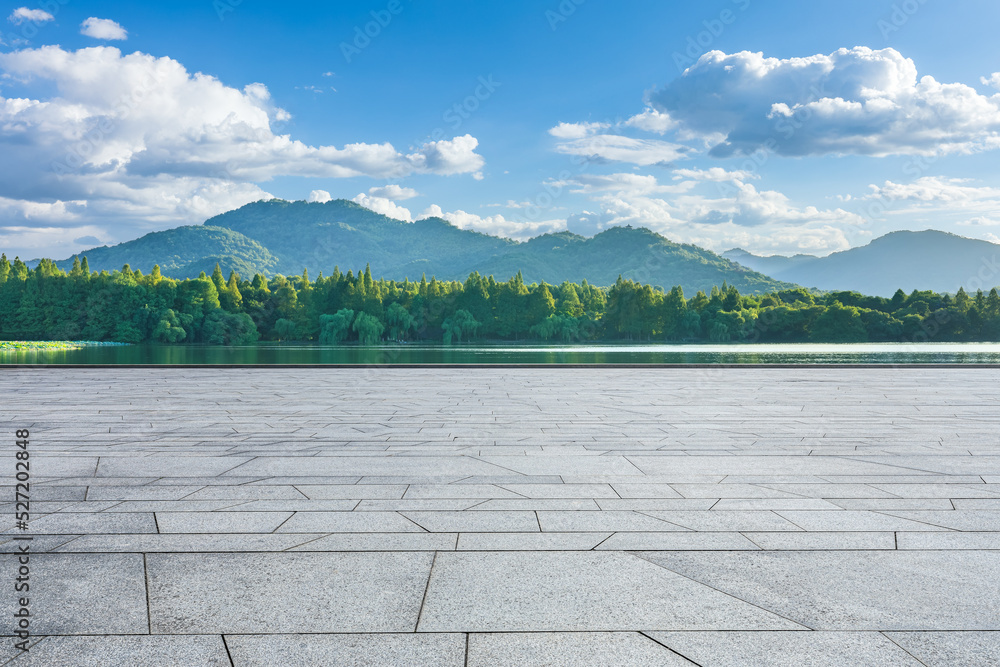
<point x="502" y="516"/>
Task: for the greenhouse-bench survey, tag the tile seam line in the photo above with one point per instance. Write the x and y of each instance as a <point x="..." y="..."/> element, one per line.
<point x="675" y="652"/>
<point x="427" y="588"/>
<point x="901" y="647"/>
<point x="730" y="595"/>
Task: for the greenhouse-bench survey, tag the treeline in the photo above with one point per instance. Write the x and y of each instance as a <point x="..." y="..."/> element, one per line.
<point x="46" y="303"/>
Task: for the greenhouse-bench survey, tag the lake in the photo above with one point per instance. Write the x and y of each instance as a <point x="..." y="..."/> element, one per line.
<point x="292" y="353"/>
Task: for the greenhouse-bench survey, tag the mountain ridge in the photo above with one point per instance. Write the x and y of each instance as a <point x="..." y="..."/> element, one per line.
<point x="279" y="236"/>
<point x="903" y="259"/>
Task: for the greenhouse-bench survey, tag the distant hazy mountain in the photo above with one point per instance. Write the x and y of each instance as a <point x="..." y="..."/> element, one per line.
<point x="284" y="237"/>
<point x="928" y="260"/>
<point x="770" y="265"/>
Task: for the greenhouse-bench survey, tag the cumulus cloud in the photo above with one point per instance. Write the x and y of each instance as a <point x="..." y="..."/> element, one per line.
<point x="384" y="206"/>
<point x="25" y="15"/>
<point x="935" y="190"/>
<point x="394" y="192"/>
<point x="319" y="196"/>
<point x="146" y="144"/>
<point x="496" y="225"/>
<point x="853" y="101"/>
<point x="576" y="130"/>
<point x="992" y="80"/>
<point x="105" y="29"/>
<point x="652" y="120"/>
<point x="717" y="213"/>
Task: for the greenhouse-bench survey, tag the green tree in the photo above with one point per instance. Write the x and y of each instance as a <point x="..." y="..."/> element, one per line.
<point x="459" y="324"/>
<point x="368" y="328"/>
<point x="334" y="329"/>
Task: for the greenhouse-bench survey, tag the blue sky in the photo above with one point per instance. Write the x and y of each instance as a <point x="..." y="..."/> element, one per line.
<point x="780" y="127"/>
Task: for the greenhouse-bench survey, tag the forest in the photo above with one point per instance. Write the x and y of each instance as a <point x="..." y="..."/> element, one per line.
<point x="48" y="303"/>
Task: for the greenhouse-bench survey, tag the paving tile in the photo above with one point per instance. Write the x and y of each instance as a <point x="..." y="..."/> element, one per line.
<point x="360" y="650"/>
<point x="791" y="649"/>
<point x="461" y="522"/>
<point x="348" y="522"/>
<point x="687" y="541"/>
<point x="530" y="541"/>
<point x="964" y="540"/>
<point x="167" y="466"/>
<point x="185" y="543"/>
<point x="574" y="591"/>
<point x="602" y="521"/>
<point x="128" y="651"/>
<point x="77" y="594"/>
<point x="286" y="592"/>
<point x="941" y="649"/>
<point x="89" y="522"/>
<point x="823" y="541"/>
<point x="381" y="542"/>
<point x="856" y="590"/>
<point x="974" y="520"/>
<point x="569" y="649"/>
<point x="220" y="522"/>
<point x="851" y="520"/>
<point x="727" y="520"/>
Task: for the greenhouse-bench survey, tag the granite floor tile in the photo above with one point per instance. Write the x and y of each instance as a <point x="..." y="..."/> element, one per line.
<point x="286" y="592"/>
<point x="574" y="591"/>
<point x="357" y="650"/>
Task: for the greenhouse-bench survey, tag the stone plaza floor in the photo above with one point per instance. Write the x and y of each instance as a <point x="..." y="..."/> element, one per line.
<point x="506" y="516"/>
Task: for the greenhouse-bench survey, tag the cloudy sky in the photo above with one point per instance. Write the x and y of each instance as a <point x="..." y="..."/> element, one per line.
<point x="776" y="126"/>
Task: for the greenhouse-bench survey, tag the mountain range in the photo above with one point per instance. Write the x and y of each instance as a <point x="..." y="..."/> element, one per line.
<point x="279" y="236"/>
<point x="927" y="260"/>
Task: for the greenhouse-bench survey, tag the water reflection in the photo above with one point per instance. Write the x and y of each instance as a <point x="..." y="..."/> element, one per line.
<point x="268" y="354"/>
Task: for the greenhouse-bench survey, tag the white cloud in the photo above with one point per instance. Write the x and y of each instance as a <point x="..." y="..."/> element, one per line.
<point x="319" y="196"/>
<point x="618" y="148"/>
<point x="576" y="130"/>
<point x="103" y="29"/>
<point x="981" y="221"/>
<point x="23" y="15"/>
<point x="384" y="206"/>
<point x="394" y="192"/>
<point x="652" y="120"/>
<point x="853" y="101"/>
<point x="717" y="215"/>
<point x="624" y="183"/>
<point x="934" y="190"/>
<point x="715" y="174"/>
<point x="495" y="225"/>
<point x="146" y="144"/>
<point x="993" y="80"/>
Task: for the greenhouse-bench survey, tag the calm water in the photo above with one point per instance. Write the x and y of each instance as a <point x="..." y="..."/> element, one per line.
<point x="876" y="353"/>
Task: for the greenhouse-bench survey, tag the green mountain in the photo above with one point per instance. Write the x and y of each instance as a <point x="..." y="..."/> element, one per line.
<point x="284" y="237"/>
<point x="184" y="252"/>
<point x="928" y="260"/>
